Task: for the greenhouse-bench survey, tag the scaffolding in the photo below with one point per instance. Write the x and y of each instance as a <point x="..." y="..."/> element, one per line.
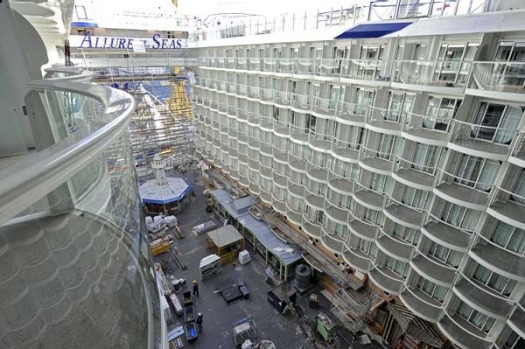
<point x="162" y="121"/>
<point x="166" y="128"/>
<point x="353" y="308"/>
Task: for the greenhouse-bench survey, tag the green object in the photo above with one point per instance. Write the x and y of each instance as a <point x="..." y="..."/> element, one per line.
<point x="325" y="327"/>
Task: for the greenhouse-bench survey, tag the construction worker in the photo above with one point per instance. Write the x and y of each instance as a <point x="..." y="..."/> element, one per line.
<point x="199" y="322"/>
<point x="195" y="288"/>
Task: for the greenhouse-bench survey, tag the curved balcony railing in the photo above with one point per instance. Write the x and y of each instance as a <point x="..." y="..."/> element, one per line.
<point x="505" y="77"/>
<point x="507" y="206"/>
<point x="426" y="126"/>
<point x="71" y="74"/>
<point x="492" y="139"/>
<point x="85" y="255"/>
<point x="432" y="73"/>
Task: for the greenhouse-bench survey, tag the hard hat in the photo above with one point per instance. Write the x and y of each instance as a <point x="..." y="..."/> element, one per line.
<point x="194" y="282"/>
<point x="199" y="314"/>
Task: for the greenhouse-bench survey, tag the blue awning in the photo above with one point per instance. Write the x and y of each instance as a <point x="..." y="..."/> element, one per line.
<point x="83" y="24"/>
<point x="372" y="30"/>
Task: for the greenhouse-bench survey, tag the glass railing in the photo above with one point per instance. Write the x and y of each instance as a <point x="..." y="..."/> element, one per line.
<point x="504" y="77"/>
<point x="66" y="205"/>
<point x="388" y="115"/>
<point x="73" y="74"/>
<point x="416" y="166"/>
<point x="367" y="153"/>
<point x="503" y="196"/>
<point x="427" y="122"/>
<point x="519" y="148"/>
<point x="482" y="187"/>
<point x="439" y="74"/>
<point x="363" y="69"/>
<point x="463" y="131"/>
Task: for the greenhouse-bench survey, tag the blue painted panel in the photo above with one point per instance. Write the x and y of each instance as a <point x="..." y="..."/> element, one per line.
<point x="84" y="24"/>
<point x="372" y="30"/>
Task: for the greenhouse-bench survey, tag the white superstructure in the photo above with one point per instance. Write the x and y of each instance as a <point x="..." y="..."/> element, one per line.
<point x="398" y="145"/>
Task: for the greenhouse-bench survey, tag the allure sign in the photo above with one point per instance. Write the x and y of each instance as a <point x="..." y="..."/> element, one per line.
<point x="156" y="42"/>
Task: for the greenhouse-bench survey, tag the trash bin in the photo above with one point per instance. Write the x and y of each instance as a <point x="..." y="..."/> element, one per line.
<point x="313" y="301"/>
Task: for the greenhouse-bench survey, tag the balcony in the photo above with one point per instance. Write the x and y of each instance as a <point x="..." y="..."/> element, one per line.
<point x="294" y="216"/>
<point x="386" y="121"/>
<point x="363" y="230"/>
<point x="341" y="185"/>
<point x="315" y="201"/>
<point x="337" y="214"/>
<point x="351" y="114"/>
<point x="464" y="337"/>
<point x="433" y="270"/>
<point x="395" y="248"/>
<point x="481" y="300"/>
<point x="414" y="175"/>
<point x="313" y="230"/>
<point x="279" y="205"/>
<point x="516" y="321"/>
<point x="447" y="77"/>
<point x="254" y="188"/>
<point x="357" y="260"/>
<point x="508" y="207"/>
<point x="502" y="80"/>
<point x="499" y="260"/>
<point x="266" y="124"/>
<point x="266" y="197"/>
<point x="518" y="153"/>
<point x="429" y="130"/>
<point x="72" y="239"/>
<point x="370" y="199"/>
<point x="421" y="304"/>
<point x="320" y="143"/>
<point x="253" y="165"/>
<point x="281" y="158"/>
<point x="446" y="235"/>
<point x="322" y="107"/>
<point x="463" y="192"/>
<point x="280" y="181"/>
<point x="266" y="150"/>
<point x="332" y="242"/>
<point x="386" y="280"/>
<point x="365" y="72"/>
<point x="344" y="153"/>
<point x="300" y="135"/>
<point x="243" y="160"/>
<point x="375" y="161"/>
<point x="404" y="215"/>
<point x="319" y="175"/>
<point x="298" y="166"/>
<point x="483" y="141"/>
<point x="296" y="190"/>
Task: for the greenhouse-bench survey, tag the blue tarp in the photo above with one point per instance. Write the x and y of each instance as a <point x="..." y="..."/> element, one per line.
<point x="372" y="30"/>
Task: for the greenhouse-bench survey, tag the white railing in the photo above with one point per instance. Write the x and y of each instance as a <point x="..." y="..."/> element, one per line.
<point x="427" y="122"/>
<point x="28" y="181"/>
<point x="435" y="73"/>
<point x="462" y="130"/>
<point x="499" y="77"/>
<point x="340" y="17"/>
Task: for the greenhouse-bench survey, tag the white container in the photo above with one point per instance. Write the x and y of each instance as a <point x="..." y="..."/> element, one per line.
<point x="244" y="257"/>
<point x="171" y="221"/>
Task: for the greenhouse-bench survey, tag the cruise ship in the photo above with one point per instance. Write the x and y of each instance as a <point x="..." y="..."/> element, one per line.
<point x="389" y="135"/>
